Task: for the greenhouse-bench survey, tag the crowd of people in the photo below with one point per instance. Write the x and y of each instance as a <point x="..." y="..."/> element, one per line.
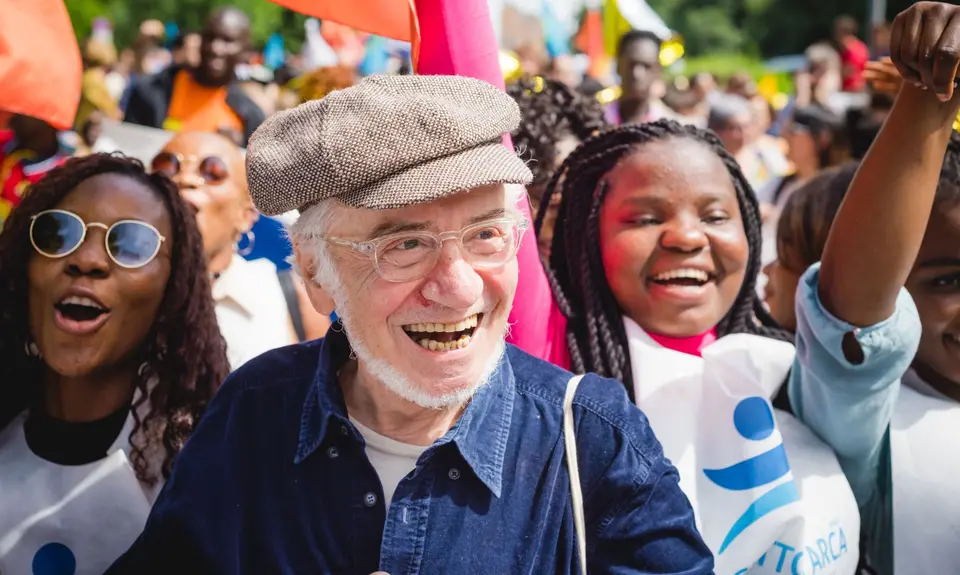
<point x="335" y="325"/>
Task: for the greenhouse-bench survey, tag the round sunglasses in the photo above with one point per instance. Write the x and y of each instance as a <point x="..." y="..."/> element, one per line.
<point x="212" y="169"/>
<point x="130" y="243"/>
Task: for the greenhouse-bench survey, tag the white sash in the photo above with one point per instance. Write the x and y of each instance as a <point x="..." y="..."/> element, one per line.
<point x="925" y="446"/>
<point x="63" y="518"/>
<point x="711" y="415"/>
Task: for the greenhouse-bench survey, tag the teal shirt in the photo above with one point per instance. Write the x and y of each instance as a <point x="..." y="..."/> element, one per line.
<point x="850" y="406"/>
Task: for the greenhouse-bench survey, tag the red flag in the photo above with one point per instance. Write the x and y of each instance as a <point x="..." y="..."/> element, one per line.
<point x="395" y="19"/>
<point x="40" y="66"/>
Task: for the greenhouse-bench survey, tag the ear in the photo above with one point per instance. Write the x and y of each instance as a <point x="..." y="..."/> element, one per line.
<point x="319" y="298"/>
<point x="248" y="215"/>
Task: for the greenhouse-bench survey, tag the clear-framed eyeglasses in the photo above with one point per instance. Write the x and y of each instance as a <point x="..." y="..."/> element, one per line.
<point x="409" y="256"/>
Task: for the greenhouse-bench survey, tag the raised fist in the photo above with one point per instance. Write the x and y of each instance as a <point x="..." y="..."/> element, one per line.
<point x="925" y="46"/>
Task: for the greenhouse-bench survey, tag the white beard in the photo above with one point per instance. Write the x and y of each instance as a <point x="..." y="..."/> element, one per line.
<point x="406" y="388"/>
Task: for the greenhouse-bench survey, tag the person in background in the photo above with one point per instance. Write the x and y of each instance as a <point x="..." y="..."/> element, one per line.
<point x="562" y="69"/>
<point x="28" y="150"/>
<point x="98" y="57"/>
<point x="820" y="79"/>
<point x="109" y="354"/>
<point x="205" y="98"/>
<point x="555" y="120"/>
<point x="638" y="65"/>
<point x="89" y="133"/>
<point x="186" y="50"/>
<point x="734" y="120"/>
<point x="743" y="85"/>
<point x="853" y="52"/>
<point x="258" y="307"/>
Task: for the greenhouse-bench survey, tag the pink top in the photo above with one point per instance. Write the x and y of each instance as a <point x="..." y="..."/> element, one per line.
<point x="689" y="345"/>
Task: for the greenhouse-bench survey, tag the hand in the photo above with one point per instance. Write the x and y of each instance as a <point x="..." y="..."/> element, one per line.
<point x="925" y="46"/>
<point x="883" y="77"/>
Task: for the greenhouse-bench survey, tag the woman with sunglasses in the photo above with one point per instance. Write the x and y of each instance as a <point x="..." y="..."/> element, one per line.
<point x="259" y="308"/>
<point x="109" y="354"/>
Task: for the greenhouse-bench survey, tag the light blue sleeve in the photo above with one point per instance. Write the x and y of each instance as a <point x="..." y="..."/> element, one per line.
<point x="850" y="405"/>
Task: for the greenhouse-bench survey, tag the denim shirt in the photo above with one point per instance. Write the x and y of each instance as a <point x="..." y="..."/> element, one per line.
<point x="275" y="480"/>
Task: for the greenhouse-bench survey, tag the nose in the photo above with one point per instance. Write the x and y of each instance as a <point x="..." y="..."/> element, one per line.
<point x="453" y="283"/>
<point x="684" y="235"/>
<point x="188" y="180"/>
<point x="90" y="259"/>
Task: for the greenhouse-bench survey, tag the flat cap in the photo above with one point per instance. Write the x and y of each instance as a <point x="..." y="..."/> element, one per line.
<point x="387" y="142"/>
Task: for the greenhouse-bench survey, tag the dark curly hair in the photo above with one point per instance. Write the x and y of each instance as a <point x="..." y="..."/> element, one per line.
<point x="551" y="110"/>
<point x="184" y="351"/>
<point x="595" y="334"/>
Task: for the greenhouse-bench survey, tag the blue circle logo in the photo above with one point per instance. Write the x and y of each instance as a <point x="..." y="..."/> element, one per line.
<point x="753" y="418"/>
<point x="54" y="559"/>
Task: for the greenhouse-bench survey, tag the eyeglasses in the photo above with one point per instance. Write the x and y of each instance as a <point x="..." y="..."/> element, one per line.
<point x="409" y="256"/>
<point x="213" y="169"/>
<point x="129" y="243"/>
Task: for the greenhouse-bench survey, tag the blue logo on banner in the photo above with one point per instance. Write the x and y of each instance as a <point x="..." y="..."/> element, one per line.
<point x="753" y="419"/>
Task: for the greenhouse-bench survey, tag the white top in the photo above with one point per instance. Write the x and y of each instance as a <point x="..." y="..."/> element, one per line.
<point x="391" y="459"/>
<point x="925" y="449"/>
<point x="68" y="518"/>
<point x="768" y="495"/>
<point x="251" y="310"/>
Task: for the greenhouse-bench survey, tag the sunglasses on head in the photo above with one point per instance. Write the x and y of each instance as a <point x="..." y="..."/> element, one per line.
<point x="130" y="243"/>
<point x="213" y="169"/>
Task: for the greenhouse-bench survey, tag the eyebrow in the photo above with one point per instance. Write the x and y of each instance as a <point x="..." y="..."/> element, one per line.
<point x="940" y="262"/>
<point x="388" y="228"/>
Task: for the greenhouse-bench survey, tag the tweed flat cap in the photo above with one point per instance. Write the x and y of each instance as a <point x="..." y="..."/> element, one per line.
<point x="387" y="142"/>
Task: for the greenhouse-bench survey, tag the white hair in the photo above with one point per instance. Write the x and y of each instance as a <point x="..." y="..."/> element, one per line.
<point x="307" y="234"/>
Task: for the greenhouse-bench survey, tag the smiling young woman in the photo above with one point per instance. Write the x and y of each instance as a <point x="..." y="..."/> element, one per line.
<point x="109" y="353"/>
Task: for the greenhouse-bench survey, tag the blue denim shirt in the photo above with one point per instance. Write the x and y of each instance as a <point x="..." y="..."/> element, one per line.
<point x="275" y="480"/>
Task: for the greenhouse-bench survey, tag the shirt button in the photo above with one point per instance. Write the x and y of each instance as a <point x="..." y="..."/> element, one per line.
<point x="454" y="473"/>
<point x="370" y="499"/>
<point x="332" y="452"/>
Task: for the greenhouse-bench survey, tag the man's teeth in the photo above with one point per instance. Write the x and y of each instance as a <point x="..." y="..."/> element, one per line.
<point x="468" y="323"/>
<point x="434" y="345"/>
<point x="77" y="300"/>
<point x="683" y="273"/>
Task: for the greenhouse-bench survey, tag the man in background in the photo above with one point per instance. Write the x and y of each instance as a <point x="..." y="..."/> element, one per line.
<point x="205" y="98"/>
<point x="854" y="53"/>
<point x="638" y="65"/>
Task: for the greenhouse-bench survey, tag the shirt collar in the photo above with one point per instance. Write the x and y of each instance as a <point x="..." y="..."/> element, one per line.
<point x="236" y="283"/>
<point x="480" y="435"/>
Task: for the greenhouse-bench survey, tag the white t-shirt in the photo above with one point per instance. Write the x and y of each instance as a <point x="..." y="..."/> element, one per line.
<point x="391" y="459"/>
<point x="68" y="518"/>
<point x="925" y="445"/>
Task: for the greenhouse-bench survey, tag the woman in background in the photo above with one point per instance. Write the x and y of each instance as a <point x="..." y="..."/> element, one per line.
<point x="109" y="354"/>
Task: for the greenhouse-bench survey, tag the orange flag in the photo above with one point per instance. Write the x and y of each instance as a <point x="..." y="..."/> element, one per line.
<point x="395" y="19"/>
<point x="40" y="66"/>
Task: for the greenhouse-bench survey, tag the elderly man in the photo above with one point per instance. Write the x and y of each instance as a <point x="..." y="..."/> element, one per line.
<point x="411" y="439"/>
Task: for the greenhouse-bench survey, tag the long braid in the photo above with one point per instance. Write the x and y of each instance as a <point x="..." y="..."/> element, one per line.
<point x="596" y="336"/>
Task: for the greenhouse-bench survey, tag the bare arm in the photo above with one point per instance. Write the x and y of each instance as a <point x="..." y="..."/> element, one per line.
<point x="877" y="233"/>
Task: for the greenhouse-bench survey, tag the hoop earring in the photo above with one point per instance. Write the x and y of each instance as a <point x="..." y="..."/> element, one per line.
<point x="143" y="368"/>
<point x="251" y="239"/>
<point x="31" y="350"/>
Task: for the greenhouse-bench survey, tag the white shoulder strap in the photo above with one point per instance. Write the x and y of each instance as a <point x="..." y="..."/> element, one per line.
<point x="576" y="494"/>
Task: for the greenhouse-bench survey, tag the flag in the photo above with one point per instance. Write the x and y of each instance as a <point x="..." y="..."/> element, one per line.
<point x="40" y="66"/>
<point x="395" y="19"/>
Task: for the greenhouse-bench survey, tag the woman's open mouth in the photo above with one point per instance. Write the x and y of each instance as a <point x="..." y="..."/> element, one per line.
<point x="682" y="284"/>
<point x="444" y="336"/>
<point x="80" y="315"/>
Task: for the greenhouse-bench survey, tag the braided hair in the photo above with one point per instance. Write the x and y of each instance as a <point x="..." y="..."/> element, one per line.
<point x="184" y="351"/>
<point x="595" y="335"/>
<point x="551" y="110"/>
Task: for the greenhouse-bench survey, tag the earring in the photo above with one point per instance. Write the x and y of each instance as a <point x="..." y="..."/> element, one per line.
<point x="31" y="349"/>
<point x="143" y="368"/>
<point x="250" y="243"/>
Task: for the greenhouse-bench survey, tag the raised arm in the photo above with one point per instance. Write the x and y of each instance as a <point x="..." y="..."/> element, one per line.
<point x="877" y="233"/>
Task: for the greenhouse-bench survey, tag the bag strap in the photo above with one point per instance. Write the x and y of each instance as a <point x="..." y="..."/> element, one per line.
<point x="573" y="469"/>
<point x="293" y="303"/>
